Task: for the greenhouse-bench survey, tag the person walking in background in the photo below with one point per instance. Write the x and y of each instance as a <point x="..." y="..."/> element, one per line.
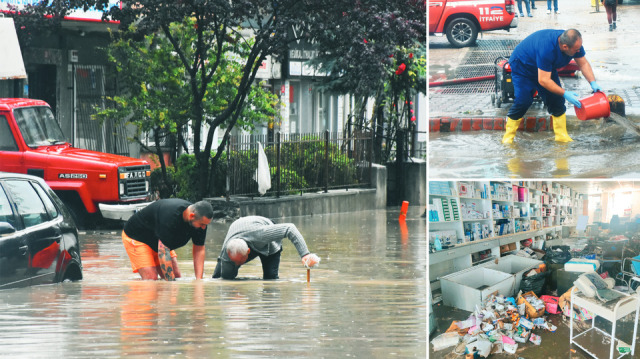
<point x="526" y="3"/>
<point x="555" y="6"/>
<point x="610" y="6"/>
<point x="533" y="4"/>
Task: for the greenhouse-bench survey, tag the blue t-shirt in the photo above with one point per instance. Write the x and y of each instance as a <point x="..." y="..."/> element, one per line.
<point x="540" y="50"/>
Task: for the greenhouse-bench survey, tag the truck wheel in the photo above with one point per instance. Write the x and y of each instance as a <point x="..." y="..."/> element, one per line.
<point x="461" y="32"/>
<point x="83" y="219"/>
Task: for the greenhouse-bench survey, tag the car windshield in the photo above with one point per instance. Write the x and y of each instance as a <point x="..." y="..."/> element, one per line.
<point x="38" y="126"/>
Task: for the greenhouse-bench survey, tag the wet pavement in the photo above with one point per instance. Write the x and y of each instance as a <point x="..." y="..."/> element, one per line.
<point x="598" y="150"/>
<point x="366" y="300"/>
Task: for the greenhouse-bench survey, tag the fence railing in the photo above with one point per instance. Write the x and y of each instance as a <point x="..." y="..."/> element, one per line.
<point x="300" y="162"/>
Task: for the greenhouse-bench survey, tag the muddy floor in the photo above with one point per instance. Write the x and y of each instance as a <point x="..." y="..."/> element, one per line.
<point x="553" y="345"/>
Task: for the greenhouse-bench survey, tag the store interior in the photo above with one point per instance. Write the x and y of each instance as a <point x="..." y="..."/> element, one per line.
<point x="507" y="259"/>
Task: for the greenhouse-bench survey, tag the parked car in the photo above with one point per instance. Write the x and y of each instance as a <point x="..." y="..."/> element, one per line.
<point x="461" y="20"/>
<point x="38" y="238"/>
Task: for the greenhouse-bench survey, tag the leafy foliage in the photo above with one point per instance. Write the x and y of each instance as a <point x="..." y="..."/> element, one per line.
<point x="157" y="96"/>
<point x="290" y="181"/>
<point x="358" y="42"/>
<point x="196" y="60"/>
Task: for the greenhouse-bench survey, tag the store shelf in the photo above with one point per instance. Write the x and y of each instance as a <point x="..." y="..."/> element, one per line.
<point x="502" y="205"/>
<point x="464" y="249"/>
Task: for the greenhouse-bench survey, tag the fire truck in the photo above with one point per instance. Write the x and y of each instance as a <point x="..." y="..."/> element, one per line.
<point x="461" y="20"/>
<point x="91" y="184"/>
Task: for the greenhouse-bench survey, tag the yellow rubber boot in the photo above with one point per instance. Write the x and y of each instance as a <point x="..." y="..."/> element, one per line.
<point x="511" y="127"/>
<point x="560" y="128"/>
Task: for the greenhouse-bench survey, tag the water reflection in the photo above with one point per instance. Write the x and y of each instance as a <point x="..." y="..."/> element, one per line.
<point x="367" y="299"/>
<point x="598" y="150"/>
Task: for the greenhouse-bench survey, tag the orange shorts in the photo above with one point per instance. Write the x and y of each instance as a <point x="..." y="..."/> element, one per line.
<point x="140" y="254"/>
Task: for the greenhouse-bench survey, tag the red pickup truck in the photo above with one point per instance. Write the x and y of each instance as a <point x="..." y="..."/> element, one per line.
<point x="461" y="20"/>
<point x="32" y="142"/>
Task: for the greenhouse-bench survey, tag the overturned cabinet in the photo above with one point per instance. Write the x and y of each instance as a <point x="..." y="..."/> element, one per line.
<point x="470" y="287"/>
<point x="514" y="265"/>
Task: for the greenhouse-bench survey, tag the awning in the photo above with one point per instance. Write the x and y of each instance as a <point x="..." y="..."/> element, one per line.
<point x="11" y="65"/>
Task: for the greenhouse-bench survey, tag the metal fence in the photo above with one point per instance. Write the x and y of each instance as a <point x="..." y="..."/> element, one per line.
<point x="90" y="91"/>
<point x="300" y="163"/>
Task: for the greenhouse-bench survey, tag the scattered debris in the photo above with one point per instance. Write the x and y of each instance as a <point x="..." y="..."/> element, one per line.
<point x="499" y="326"/>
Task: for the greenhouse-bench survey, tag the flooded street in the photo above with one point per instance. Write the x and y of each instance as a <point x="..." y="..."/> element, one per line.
<point x="598" y="150"/>
<point x="367" y="299"/>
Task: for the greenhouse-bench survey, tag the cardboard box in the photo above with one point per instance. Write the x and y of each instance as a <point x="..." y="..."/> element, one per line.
<point x="504" y="248"/>
<point x="470" y="287"/>
<point x="530" y="310"/>
<point x="512" y="246"/>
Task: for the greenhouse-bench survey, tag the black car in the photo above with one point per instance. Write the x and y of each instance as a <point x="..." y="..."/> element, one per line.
<point x="38" y="239"/>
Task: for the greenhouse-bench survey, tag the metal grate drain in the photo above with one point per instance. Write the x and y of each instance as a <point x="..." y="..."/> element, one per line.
<point x="468" y="88"/>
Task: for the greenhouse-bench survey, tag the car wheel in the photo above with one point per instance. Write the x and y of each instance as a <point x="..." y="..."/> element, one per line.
<point x="462" y="32"/>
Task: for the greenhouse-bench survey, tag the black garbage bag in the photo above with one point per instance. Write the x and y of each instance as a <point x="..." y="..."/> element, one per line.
<point x="534" y="283"/>
<point x="557" y="255"/>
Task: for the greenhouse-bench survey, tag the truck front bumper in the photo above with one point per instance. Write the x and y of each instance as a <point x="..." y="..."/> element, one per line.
<point x="514" y="22"/>
<point x="120" y="211"/>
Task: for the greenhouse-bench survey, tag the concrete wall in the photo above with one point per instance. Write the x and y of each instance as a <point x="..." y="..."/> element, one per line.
<point x="335" y="201"/>
<point x="379" y="176"/>
<point x="416" y="183"/>
<point x="409" y="185"/>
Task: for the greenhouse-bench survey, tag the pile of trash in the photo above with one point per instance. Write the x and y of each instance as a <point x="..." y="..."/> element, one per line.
<point x="500" y="326"/>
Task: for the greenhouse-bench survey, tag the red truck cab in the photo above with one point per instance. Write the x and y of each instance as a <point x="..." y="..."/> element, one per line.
<point x="32" y="142"/>
<point x="461" y="20"/>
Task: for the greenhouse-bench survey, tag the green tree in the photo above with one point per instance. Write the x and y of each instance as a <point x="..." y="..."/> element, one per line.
<point x="355" y="40"/>
<point x="375" y="49"/>
<point x="223" y="32"/>
<point x="156" y="95"/>
<point x="339" y="27"/>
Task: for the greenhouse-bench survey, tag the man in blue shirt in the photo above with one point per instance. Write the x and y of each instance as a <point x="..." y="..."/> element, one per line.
<point x="533" y="67"/>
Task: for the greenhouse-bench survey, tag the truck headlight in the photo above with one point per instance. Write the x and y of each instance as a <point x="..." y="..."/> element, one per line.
<point x="121" y="187"/>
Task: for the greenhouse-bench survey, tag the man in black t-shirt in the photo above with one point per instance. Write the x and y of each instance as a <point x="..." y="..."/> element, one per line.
<point x="172" y="221"/>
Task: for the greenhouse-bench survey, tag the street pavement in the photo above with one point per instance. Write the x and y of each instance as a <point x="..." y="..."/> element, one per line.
<point x="614" y="56"/>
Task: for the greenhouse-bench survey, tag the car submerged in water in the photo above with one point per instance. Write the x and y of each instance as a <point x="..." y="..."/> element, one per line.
<point x="38" y="238"/>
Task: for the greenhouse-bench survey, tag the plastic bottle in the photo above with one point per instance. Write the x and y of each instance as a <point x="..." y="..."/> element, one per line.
<point x="437" y="244"/>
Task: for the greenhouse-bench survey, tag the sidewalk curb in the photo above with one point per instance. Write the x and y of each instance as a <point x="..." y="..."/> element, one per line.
<point x="465" y="124"/>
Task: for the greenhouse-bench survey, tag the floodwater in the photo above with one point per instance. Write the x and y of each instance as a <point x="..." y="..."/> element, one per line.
<point x="599" y="150"/>
<point x="367" y="299"/>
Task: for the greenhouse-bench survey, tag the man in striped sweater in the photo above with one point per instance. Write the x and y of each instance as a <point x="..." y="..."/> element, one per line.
<point x="255" y="236"/>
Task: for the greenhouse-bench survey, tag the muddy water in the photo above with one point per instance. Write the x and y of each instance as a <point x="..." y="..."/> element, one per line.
<point x="598" y="149"/>
<point x="366" y="300"/>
